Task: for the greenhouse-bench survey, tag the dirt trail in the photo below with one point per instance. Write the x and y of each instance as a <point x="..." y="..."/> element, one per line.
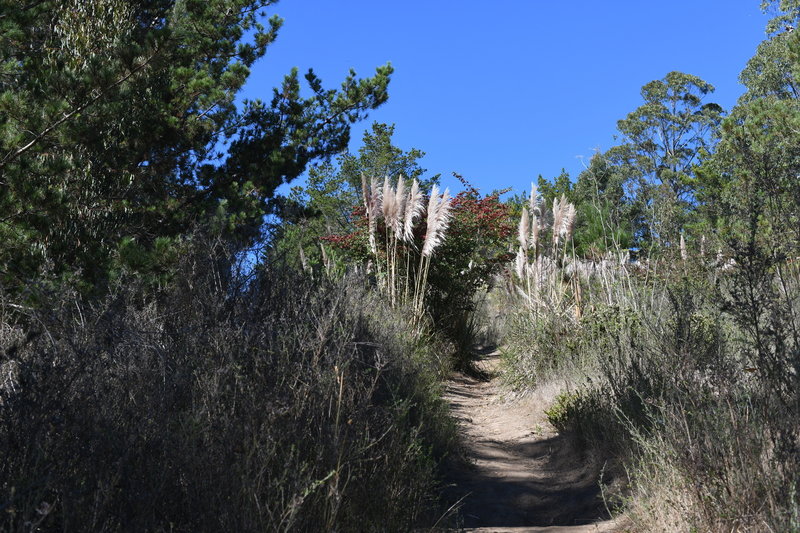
<point x="519" y="474"/>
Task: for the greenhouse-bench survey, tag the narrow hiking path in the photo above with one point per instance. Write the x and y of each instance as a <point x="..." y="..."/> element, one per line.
<point x="519" y="474"/>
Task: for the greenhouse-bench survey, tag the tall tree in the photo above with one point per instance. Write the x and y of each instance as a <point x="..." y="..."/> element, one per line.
<point x="750" y="186"/>
<point x="663" y="140"/>
<point x="750" y="189"/>
<point x="118" y="125"/>
<point x="602" y="184"/>
<point x="751" y="195"/>
<point x="379" y="157"/>
<point x="769" y="71"/>
<point x="549" y="190"/>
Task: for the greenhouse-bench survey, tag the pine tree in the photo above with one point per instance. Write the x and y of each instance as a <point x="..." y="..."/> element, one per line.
<point x="118" y="125"/>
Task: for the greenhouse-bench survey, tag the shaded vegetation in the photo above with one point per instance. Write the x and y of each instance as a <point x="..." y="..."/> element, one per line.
<point x="173" y="360"/>
<point x="269" y="403"/>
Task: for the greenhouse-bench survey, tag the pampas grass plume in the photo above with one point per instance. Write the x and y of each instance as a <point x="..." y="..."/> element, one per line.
<point x="365" y="192"/>
<point x="684" y="253"/>
<point x="438" y="220"/>
<point x="388" y="204"/>
<point x="372" y="213"/>
<point x="521" y="261"/>
<point x="401" y="199"/>
<point x="568" y="219"/>
<point x="534" y="241"/>
<point x="534" y="200"/>
<point x="524" y="229"/>
<point x="558" y="216"/>
<point x="414" y="207"/>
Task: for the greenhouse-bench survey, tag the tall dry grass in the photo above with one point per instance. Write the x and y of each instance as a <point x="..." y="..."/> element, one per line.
<point x="683" y="372"/>
<point x="403" y="261"/>
<point x="273" y="403"/>
<point x="547" y="290"/>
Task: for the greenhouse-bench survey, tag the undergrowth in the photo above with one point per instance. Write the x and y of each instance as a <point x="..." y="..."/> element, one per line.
<point x="686" y="379"/>
<point x="218" y="403"/>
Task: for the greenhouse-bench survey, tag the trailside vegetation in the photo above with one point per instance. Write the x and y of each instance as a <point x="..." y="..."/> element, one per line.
<point x="677" y="361"/>
<point x="182" y="348"/>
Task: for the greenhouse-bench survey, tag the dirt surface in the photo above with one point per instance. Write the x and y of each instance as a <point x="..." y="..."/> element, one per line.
<point x="518" y="473"/>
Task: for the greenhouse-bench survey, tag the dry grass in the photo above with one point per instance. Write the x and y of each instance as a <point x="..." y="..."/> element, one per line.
<point x="683" y="372"/>
<point x="268" y="404"/>
<point x="666" y="374"/>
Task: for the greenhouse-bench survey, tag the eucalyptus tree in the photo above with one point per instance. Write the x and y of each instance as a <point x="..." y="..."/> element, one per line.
<point x="769" y="72"/>
<point x="650" y="176"/>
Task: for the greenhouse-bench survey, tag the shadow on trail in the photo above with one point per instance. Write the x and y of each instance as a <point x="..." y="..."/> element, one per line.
<point x="470" y="366"/>
<point x="561" y="493"/>
<point x="513" y="472"/>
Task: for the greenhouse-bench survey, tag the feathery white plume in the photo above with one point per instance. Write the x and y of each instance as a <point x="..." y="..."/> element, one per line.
<point x="401" y="199"/>
<point x="388" y="202"/>
<point x="521" y="260"/>
<point x="535" y="209"/>
<point x="414" y="207"/>
<point x="567" y="220"/>
<point x="375" y="197"/>
<point x="523" y="229"/>
<point x="684" y="253"/>
<point x="373" y="209"/>
<point x="438" y="220"/>
<point x="558" y="216"/>
<point x="431" y="211"/>
<point x="325" y="260"/>
<point x="365" y="192"/>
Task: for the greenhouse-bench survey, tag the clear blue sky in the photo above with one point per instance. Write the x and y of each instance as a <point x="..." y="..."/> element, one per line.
<point x="503" y="91"/>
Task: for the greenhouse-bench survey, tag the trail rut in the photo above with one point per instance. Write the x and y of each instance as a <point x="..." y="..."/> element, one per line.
<point x="518" y="473"/>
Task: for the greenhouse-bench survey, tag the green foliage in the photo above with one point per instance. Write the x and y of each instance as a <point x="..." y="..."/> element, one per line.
<point x="604" y="183"/>
<point x="473" y="252"/>
<point x="157" y="262"/>
<point x="118" y="122"/>
<point x="690" y="376"/>
<point x="750" y="187"/>
<point x="651" y="174"/>
<point x="562" y="412"/>
<point x="379" y="157"/>
<point x="446" y="284"/>
<point x="784" y="12"/>
<point x="768" y="73"/>
<point x="325" y="205"/>
<point x="595" y="232"/>
<point x="602" y="222"/>
<point x="754" y="201"/>
<point x="559" y="186"/>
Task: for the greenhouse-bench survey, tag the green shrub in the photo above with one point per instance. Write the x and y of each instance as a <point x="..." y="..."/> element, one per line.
<point x="563" y="410"/>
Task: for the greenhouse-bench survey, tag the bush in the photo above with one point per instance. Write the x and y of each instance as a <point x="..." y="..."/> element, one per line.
<point x="562" y="412"/>
<point x="268" y="404"/>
